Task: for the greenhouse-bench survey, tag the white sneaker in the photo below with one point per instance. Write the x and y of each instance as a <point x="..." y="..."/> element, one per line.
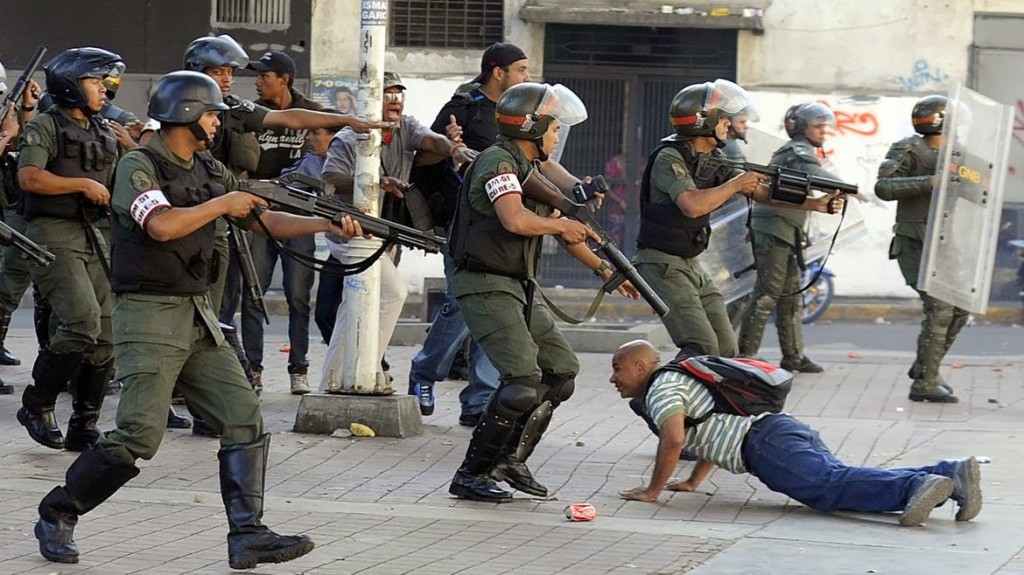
<point x="300" y="384"/>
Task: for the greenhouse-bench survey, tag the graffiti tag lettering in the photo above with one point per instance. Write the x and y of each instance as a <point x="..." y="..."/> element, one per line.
<point x="852" y="122"/>
<point x="921" y="75"/>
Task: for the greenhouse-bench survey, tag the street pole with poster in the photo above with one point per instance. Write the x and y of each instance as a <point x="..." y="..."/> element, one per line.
<point x="361" y="396"/>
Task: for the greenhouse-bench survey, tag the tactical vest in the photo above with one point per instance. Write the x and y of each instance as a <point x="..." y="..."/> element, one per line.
<point x="480" y="243"/>
<point x="664" y="227"/>
<point x="922" y="159"/>
<point x="185" y="266"/>
<point x="81" y="153"/>
<point x="232" y="145"/>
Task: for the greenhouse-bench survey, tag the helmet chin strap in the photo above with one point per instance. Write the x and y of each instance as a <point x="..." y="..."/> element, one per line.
<point x="200" y="134"/>
<point x="541" y="154"/>
<point x="719" y="142"/>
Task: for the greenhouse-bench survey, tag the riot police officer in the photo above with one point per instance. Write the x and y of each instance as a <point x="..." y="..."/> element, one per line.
<point x="65" y="166"/>
<point x="778" y="238"/>
<point x="738" y="125"/>
<point x="165" y="201"/>
<point x="684" y="181"/>
<point x="495" y="246"/>
<point x="907" y="176"/>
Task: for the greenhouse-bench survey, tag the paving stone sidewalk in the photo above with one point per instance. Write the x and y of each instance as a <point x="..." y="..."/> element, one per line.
<point x="380" y="505"/>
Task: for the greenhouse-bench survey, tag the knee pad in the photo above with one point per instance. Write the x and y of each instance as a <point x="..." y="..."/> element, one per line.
<point x="514" y="398"/>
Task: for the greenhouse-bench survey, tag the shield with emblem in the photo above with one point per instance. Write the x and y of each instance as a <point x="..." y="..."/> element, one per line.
<point x="963" y="221"/>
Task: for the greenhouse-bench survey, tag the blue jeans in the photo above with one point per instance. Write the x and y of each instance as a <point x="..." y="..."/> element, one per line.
<point x="298" y="283"/>
<point x="446" y="335"/>
<point x="790" y="458"/>
<point x="329" y="294"/>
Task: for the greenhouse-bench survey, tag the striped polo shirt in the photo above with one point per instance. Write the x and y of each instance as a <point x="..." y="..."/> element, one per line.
<point x="719" y="439"/>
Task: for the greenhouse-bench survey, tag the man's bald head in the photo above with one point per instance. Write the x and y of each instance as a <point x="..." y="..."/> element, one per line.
<point x="632" y="365"/>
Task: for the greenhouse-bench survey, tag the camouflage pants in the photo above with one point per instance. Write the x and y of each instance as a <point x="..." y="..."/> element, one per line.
<point x="942" y="321"/>
<point x="777" y="273"/>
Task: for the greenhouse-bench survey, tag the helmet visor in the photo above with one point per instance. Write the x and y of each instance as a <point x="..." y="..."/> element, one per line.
<point x="3" y="76"/>
<point x="106" y="70"/>
<point x="730" y="99"/>
<point x="562" y="104"/>
<point x="815" y="113"/>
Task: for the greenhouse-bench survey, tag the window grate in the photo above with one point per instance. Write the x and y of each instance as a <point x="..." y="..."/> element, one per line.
<point x="446" y="23"/>
<point x="258" y="14"/>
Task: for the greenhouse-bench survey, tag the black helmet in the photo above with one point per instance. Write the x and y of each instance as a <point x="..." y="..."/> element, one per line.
<point x="525" y="110"/>
<point x="800" y="115"/>
<point x="929" y="115"/>
<point x="65" y="70"/>
<point x="696" y="109"/>
<point x="182" y="98"/>
<point x="214" y="52"/>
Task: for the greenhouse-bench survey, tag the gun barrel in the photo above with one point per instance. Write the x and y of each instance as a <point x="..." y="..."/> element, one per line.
<point x="10" y="237"/>
<point x="14" y="96"/>
<point x="811" y="181"/>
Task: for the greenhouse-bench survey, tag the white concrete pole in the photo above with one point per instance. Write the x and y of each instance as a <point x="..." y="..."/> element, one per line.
<point x="362" y="292"/>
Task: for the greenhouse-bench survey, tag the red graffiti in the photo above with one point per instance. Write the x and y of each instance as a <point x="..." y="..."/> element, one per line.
<point x="853" y="123"/>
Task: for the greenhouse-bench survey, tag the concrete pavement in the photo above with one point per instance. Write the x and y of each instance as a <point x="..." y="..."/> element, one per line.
<point x="380" y="506"/>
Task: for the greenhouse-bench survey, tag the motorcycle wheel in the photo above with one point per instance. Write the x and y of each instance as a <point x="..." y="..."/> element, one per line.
<point x="817" y="299"/>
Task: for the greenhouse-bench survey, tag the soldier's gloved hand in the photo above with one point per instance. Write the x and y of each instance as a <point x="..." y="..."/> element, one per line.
<point x="394" y="186"/>
<point x="239" y="204"/>
<point x="347" y="228"/>
<point x="95" y="192"/>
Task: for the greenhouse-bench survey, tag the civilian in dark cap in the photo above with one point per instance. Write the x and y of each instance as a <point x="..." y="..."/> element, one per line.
<point x="279" y="149"/>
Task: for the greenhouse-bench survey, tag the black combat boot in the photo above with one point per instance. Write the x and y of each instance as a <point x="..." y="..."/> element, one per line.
<point x="90" y="480"/>
<point x="5" y="356"/>
<point x="472" y="480"/>
<point x="87" y="392"/>
<point x="243" y="469"/>
<point x="50" y="372"/>
<point x="6" y="388"/>
<point x="511" y="465"/>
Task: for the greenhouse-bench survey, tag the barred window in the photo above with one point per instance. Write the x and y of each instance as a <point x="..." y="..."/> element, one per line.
<point x="255" y="14"/>
<point x="446" y="23"/>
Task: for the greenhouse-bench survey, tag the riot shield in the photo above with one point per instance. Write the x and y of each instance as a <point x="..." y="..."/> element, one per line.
<point x="963" y="221"/>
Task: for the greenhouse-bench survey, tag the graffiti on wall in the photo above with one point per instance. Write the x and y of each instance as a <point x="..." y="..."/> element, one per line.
<point x="852" y="122"/>
<point x="921" y="76"/>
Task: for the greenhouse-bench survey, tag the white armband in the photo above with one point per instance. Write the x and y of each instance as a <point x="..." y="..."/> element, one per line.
<point x="146" y="204"/>
<point x="502" y="184"/>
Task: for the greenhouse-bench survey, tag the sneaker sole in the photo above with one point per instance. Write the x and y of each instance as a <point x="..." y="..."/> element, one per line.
<point x="922" y="505"/>
<point x="930" y="399"/>
<point x="974" y="497"/>
<point x="294" y="552"/>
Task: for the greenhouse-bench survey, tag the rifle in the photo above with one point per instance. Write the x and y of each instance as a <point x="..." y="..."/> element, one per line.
<point x="540" y="189"/>
<point x="248" y="269"/>
<point x="13" y="98"/>
<point x="789" y="185"/>
<point x="281" y="194"/>
<point x="10" y="237"/>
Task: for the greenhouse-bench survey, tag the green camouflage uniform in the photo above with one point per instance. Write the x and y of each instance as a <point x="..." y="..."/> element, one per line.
<point x="697" y="313"/>
<point x="163" y="340"/>
<point x="778" y="236"/>
<point x="904" y="177"/>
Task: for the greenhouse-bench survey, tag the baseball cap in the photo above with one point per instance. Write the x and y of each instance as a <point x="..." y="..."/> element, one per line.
<point x="498" y="55"/>
<point x="393" y="80"/>
<point x="274" y="61"/>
